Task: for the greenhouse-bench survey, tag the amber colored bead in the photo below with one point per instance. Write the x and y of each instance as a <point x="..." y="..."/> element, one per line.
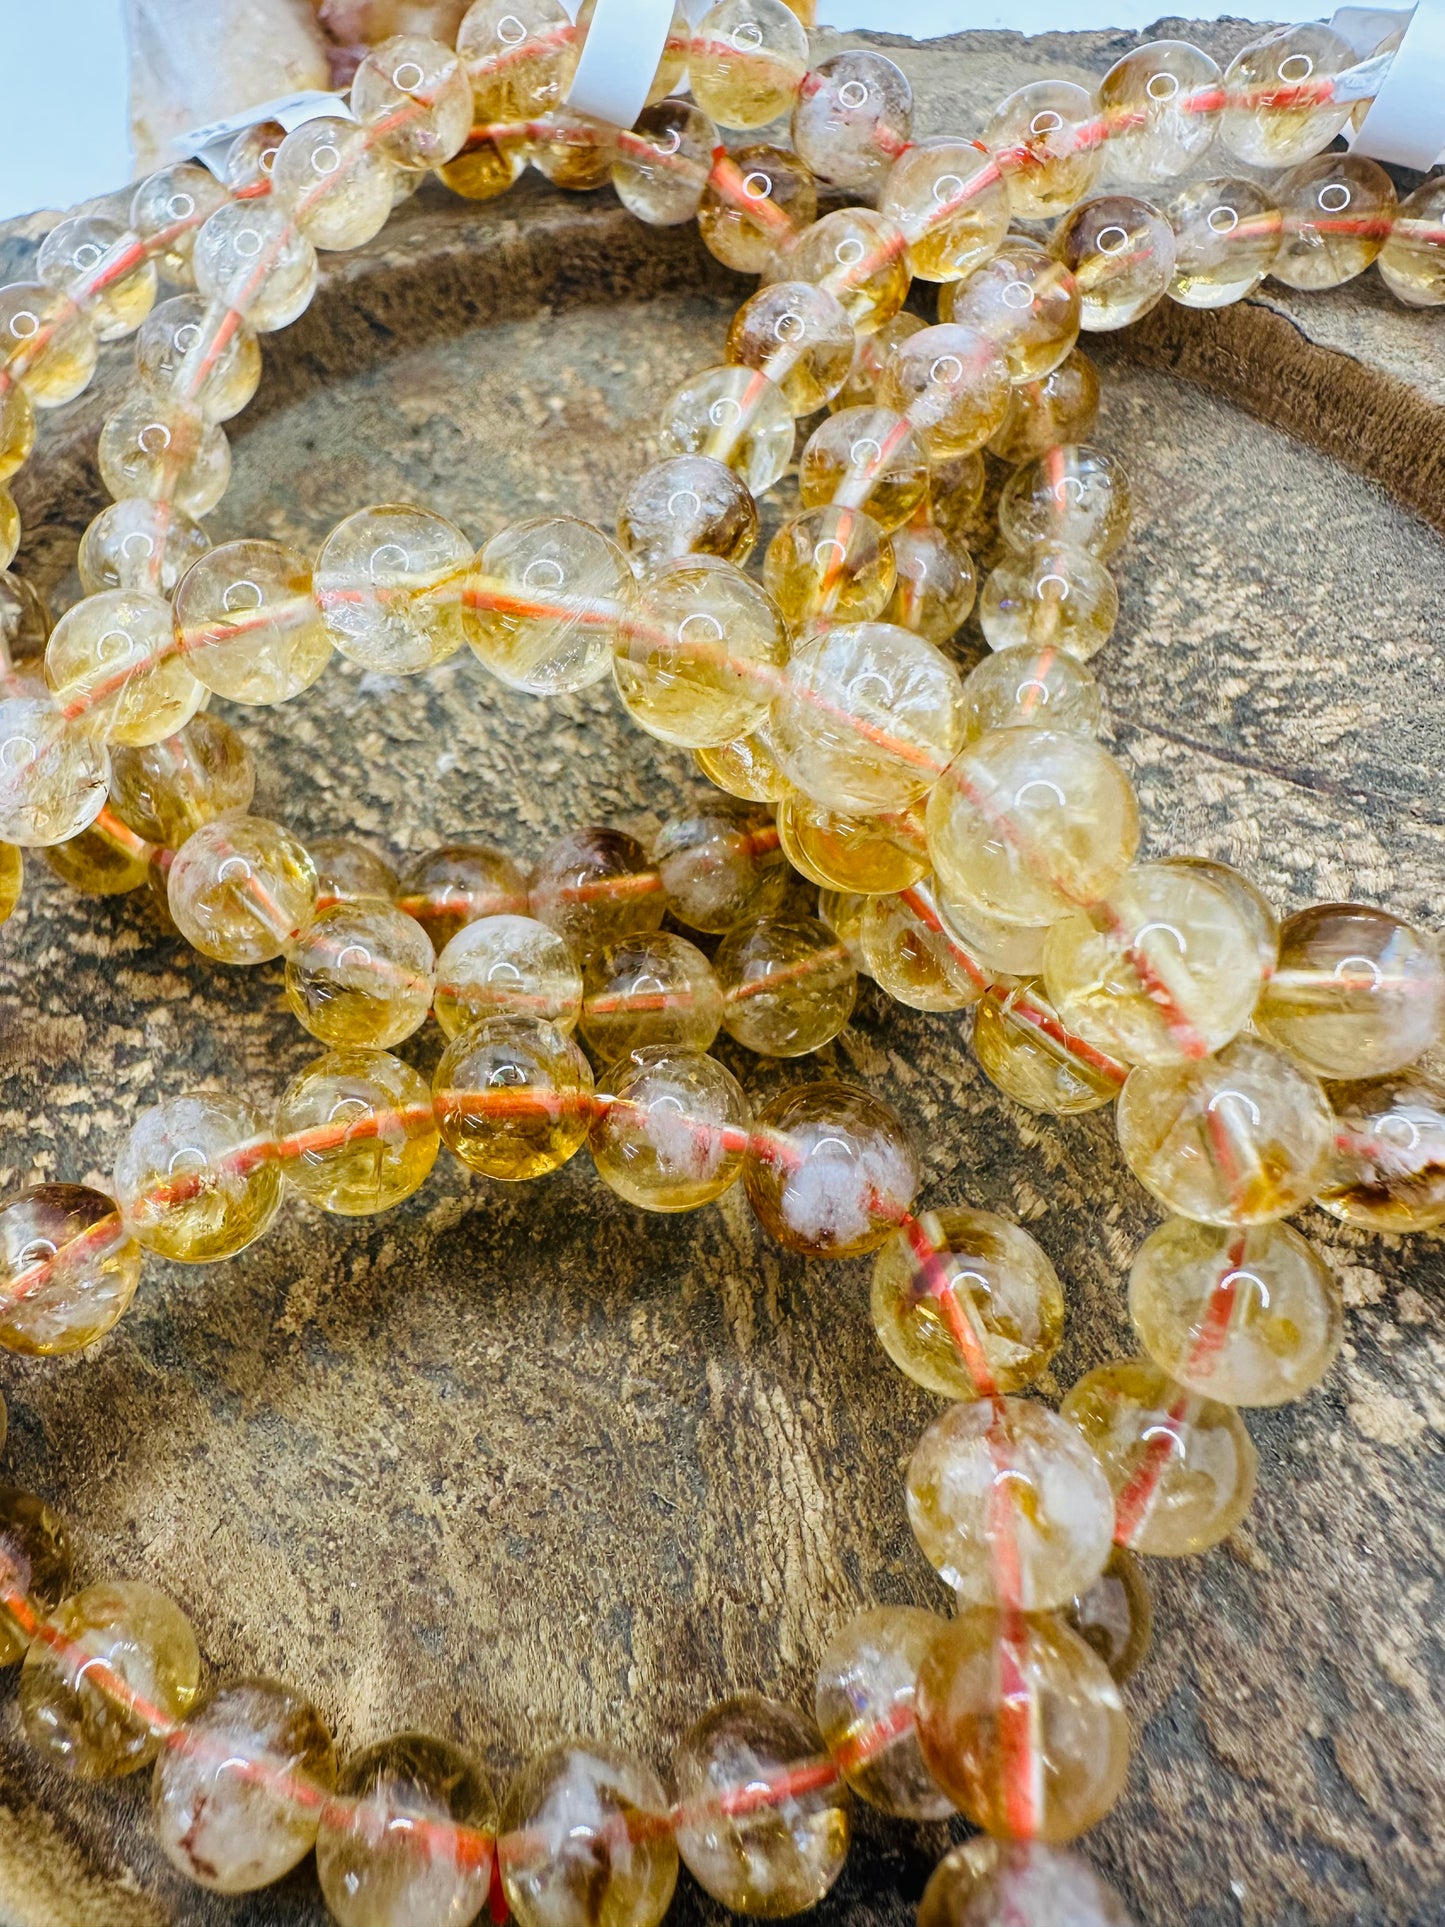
<point x="738" y="416"/>
<point x="242" y="889"/>
<point x="687" y="505"/>
<point x="409" y="1841"/>
<point x="355" y="1132"/>
<point x="34" y="1560"/>
<point x="165" y="791"/>
<point x="446" y="889"/>
<point x="1022" y="1726"/>
<point x="853" y="116"/>
<point x="484" y="168"/>
<point x="594" y="886"/>
<point x="519" y="55"/>
<point x="865" y="458"/>
<point x="697" y="662"/>
<point x="145" y="1641"/>
<point x="1024" y="1048"/>
<point x="1037" y="138"/>
<point x="1337" y="211"/>
<point x="757" y="199"/>
<point x="661" y="168"/>
<point x="1116" y="1614"/>
<point x="1050" y="597"/>
<point x="388" y="582"/>
<point x="17" y="429"/>
<point x="506" y="966"/>
<point x="842" y="911"/>
<point x="113" y="664"/>
<point x="1060" y="407"/>
<point x="759" y="1827"/>
<point x="1026" y="301"/>
<point x="246" y="624"/>
<point x="513" y="1097"/>
<point x="1239" y="1138"/>
<point x="1182" y="1467"/>
<point x="1018" y="1883"/>
<point x="911" y="955"/>
<point x="856" y="254"/>
<point x="1272" y="118"/>
<point x="237" y="1803"/>
<point x="720" y="865"/>
<point x="799" y="336"/>
<point x="1387" y="1169"/>
<point x="1357" y="992"/>
<point x="830" y="1171"/>
<point x="98" y="864"/>
<point x="746" y="61"/>
<point x="874" y="855"/>
<point x="1411" y="263"/>
<point x="68" y="1268"/>
<point x="545" y="603"/>
<point x="829" y="565"/>
<point x="654" y="989"/>
<point x="864" y="1708"/>
<point x="951" y="203"/>
<point x="347" y="871"/>
<point x="12" y="879"/>
<point x="1006" y="1304"/>
<point x="361" y="974"/>
<point x="188" y="1181"/>
<point x="59" y="368"/>
<point x="746" y="768"/>
<point x="585" y="1840"/>
<point x="9" y="527"/>
<point x="788" y="986"/>
<point x="672" y="1133"/>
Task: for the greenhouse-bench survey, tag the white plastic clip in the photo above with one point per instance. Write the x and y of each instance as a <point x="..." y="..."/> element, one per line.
<point x="1406" y="122"/>
<point x="211" y="144"/>
<point x="620" y="56"/>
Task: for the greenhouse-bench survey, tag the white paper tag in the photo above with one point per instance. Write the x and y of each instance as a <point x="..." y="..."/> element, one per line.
<point x="1406" y="123"/>
<point x="210" y="144"/>
<point x="619" y="58"/>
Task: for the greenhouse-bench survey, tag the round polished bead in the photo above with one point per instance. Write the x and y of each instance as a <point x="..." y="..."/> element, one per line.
<point x="360" y="973"/>
<point x="1226" y="236"/>
<point x="1047" y="598"/>
<point x="1074" y="496"/>
<point x="951" y="203"/>
<point x="163" y="450"/>
<point x="99" y="864"/>
<point x="662" y="166"/>
<point x="829" y="565"/>
<point x="757" y="199"/>
<point x="165" y="791"/>
<point x="486" y="166"/>
<point x="1018" y="1883"/>
<point x="1026" y="1050"/>
<point x="505" y="966"/>
<point x="1120" y="251"/>
<point x="761" y="1828"/>
<point x="1279" y="109"/>
<point x="1248" y="1316"/>
<point x="1182" y="1467"/>
<point x="347" y="871"/>
<point x="141" y="1638"/>
<point x="746" y="61"/>
<point x="687" y="505"/>
<point x="585" y="1840"/>
<point x="251" y="157"/>
<point x="697" y="660"/>
<point x="199" y="356"/>
<point x="1251" y="905"/>
<point x="655" y="989"/>
<point x="189" y="1181"/>
<point x="733" y="415"/>
<point x="1240" y="1138"/>
<point x="1116" y="1614"/>
<point x="953" y="385"/>
<point x="1061" y="407"/>
<point x="389" y="583"/>
<point x="1023" y="299"/>
<point x="863" y="1704"/>
<point x="865" y="458"/>
<point x="934" y="582"/>
<point x="1337" y="211"/>
<point x="720" y="865"/>
<point x="446" y="889"/>
<point x="17" y="429"/>
<point x="170" y="206"/>
<point x="860" y="256"/>
<point x="788" y="986"/>
<point x="113" y="665"/>
<point x="545" y="602"/>
<point x="513" y="1097"/>
<point x="594" y="886"/>
<point x="747" y="767"/>
<point x="69" y="258"/>
<point x="876" y="855"/>
<point x="247" y="625"/>
<point x="242" y="889"/>
<point x="47" y="341"/>
<point x="1387" y="1170"/>
<point x="355" y="1132"/>
<point x="1031" y="686"/>
<point x="1411" y="263"/>
<point x="1022" y="1726"/>
<point x="852" y="118"/>
<point x="409" y="1841"/>
<point x="236" y="1805"/>
<point x="673" y="1130"/>
<point x="68" y="1269"/>
<point x="982" y="1297"/>
<point x="334" y="181"/>
<point x="830" y="1170"/>
<point x="842" y="912"/>
<point x="52" y="772"/>
<point x="1040" y="139"/>
<point x="24" y="628"/>
<point x="1013" y="950"/>
<point x="1161" y="106"/>
<point x="1164" y="971"/>
<point x="252" y="258"/>
<point x="520" y="56"/>
<point x="799" y="336"/>
<point x="139" y="545"/>
<point x="911" y="955"/>
<point x="35" y="1560"/>
<point x="1357" y="992"/>
<point x="415" y="94"/>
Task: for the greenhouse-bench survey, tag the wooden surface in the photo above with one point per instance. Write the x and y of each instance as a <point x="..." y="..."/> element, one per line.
<point x="509" y="1463"/>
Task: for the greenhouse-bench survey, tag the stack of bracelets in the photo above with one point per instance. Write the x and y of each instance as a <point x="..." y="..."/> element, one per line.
<point x="973" y="844"/>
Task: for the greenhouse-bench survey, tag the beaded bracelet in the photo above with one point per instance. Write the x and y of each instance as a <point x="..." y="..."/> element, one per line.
<point x="1158" y="967"/>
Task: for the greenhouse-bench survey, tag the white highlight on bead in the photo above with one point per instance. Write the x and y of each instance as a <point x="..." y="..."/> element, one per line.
<point x="212" y="143"/>
<point x="620" y="56"/>
<point x="1406" y="123"/>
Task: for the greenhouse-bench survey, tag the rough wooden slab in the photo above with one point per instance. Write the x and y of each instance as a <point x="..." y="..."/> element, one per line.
<point x="512" y="1463"/>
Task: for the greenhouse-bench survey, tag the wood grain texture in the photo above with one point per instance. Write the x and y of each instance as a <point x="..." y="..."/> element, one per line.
<point x="512" y="1463"/>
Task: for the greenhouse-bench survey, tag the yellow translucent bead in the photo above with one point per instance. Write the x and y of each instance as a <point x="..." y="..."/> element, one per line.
<point x="873" y="855"/>
<point x="757" y="200"/>
<point x="829" y="565"/>
<point x="419" y="90"/>
<point x="165" y="791"/>
<point x="68" y="1269"/>
<point x="134" y="1633"/>
<point x="1115" y="1615"/>
<point x="1226" y="236"/>
<point x="17" y="429"/>
<point x="1024" y="1048"/>
<point x="697" y="660"/>
<point x="1251" y="905"/>
<point x="910" y="955"/>
<point x="1120" y="251"/>
<point x="35" y="1550"/>
<point x="251" y="157"/>
<point x="68" y="259"/>
<point x="236" y="1805"/>
<point x="1160" y="105"/>
<point x="519" y="56"/>
<point x="934" y="582"/>
<point x="191" y="1181"/>
<point x="842" y="912"/>
<point x="1164" y="971"/>
<point x="242" y="889"/>
<point x="1278" y="109"/>
<point x="859" y="256"/>
<point x="863" y="1704"/>
<point x="995" y="1472"/>
<point x="347" y="871"/>
<point x="1022" y="1726"/>
<point x="246" y="623"/>
<point x="355" y="1132"/>
<point x="485" y="167"/>
<point x="447" y="889"/>
<point x="688" y="505"/>
<point x="360" y="973"/>
<point x="1182" y="1467"/>
<point x="594" y="886"/>
<point x="788" y="985"/>
<point x="174" y="202"/>
<point x="720" y="866"/>
<point x="852" y="118"/>
<point x="1337" y="211"/>
<point x="139" y="544"/>
<point x="1387" y="1169"/>
<point x="773" y="1855"/>
<point x="162" y="450"/>
<point x="1357" y="992"/>
<point x="1040" y="139"/>
<point x="47" y="341"/>
<point x="24" y="627"/>
<point x="671" y="1131"/>
<point x="9" y="528"/>
<point x="746" y="61"/>
<point x="52" y="775"/>
<point x="409" y="1838"/>
<point x="1235" y="1139"/>
<point x="734" y="415"/>
<point x="1073" y="497"/>
<point x="12" y="879"/>
<point x="1049" y="598"/>
<point x="389" y="583"/>
<point x="1017" y="1883"/>
<point x="1411" y="263"/>
<point x="987" y="1296"/>
<point x="251" y="257"/>
<point x="585" y="1841"/>
<point x="830" y="1170"/>
<point x="1028" y="686"/>
<point x="573" y="150"/>
<point x="950" y="201"/>
<point x="865" y="458"/>
<point x="1249" y="1317"/>
<point x="953" y="385"/>
<point x="334" y="181"/>
<point x="797" y="335"/>
<point x="662" y="166"/>
<point x="545" y="602"/>
<point x="747" y="767"/>
<point x="870" y="358"/>
<point x="100" y="865"/>
<point x="1062" y="406"/>
<point x="869" y="717"/>
<point x="506" y="966"/>
<point x="1011" y="950"/>
<point x="513" y="1097"/>
<point x="1023" y="299"/>
<point x="656" y="989"/>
